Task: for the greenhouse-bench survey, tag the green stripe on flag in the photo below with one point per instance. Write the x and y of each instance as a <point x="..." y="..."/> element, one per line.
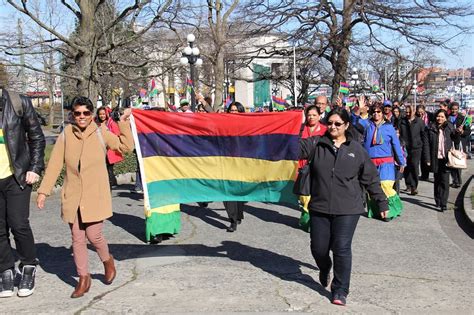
<point x="167" y="192"/>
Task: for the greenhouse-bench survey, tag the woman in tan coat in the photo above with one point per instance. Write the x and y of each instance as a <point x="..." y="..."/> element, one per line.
<point x="85" y="198"/>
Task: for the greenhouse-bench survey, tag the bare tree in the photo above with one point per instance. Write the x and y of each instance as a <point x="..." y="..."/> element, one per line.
<point x="93" y="44"/>
<point x="328" y="30"/>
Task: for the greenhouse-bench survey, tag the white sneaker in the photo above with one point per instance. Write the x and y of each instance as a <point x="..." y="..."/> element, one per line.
<point x="27" y="282"/>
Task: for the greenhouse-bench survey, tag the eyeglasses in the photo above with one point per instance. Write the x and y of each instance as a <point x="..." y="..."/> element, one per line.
<point x="335" y="123"/>
<point x="377" y="111"/>
<point x="86" y="113"/>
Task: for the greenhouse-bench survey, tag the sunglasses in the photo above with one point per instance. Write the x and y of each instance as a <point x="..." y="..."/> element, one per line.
<point x="377" y="111"/>
<point x="335" y="123"/>
<point x="86" y="113"/>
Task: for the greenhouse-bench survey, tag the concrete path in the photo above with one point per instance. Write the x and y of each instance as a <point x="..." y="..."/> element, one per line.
<point x="423" y="262"/>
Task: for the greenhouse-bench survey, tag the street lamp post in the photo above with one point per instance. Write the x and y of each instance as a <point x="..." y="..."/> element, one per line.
<point x="191" y="56"/>
<point x="354" y="79"/>
<point x="415" y="87"/>
<point x="461" y="85"/>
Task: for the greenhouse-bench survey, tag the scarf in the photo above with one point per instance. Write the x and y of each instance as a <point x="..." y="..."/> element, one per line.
<point x="441" y="150"/>
<point x="377" y="137"/>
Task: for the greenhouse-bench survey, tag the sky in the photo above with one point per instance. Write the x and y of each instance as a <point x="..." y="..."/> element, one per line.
<point x="464" y="44"/>
<point x="465" y="59"/>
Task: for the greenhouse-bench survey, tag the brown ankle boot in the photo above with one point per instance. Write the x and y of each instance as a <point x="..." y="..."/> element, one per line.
<point x="110" y="271"/>
<point x="82" y="287"/>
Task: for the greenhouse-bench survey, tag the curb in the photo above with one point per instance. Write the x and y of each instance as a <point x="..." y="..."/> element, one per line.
<point x="122" y="179"/>
<point x="467" y="203"/>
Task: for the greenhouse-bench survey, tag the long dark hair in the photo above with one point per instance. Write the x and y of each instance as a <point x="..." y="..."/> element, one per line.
<point x="441" y="111"/>
<point x="240" y="107"/>
<point x="97" y="118"/>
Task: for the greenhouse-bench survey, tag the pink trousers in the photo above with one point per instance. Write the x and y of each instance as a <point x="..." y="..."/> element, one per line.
<point x="81" y="232"/>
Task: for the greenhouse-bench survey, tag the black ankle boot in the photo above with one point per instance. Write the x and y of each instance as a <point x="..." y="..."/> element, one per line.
<point x="232" y="227"/>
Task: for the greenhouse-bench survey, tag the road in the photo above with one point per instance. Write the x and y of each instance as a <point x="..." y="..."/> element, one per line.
<point x="422" y="262"/>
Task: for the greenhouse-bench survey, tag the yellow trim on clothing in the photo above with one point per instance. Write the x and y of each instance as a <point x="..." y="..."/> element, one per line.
<point x="387" y="187"/>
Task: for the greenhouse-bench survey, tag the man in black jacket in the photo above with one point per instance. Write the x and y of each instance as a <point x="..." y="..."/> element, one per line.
<point x="427" y="119"/>
<point x="412" y="130"/>
<point x="459" y="123"/>
<point x="22" y="146"/>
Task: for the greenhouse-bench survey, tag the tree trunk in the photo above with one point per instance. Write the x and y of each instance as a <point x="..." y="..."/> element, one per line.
<point x="51" y="89"/>
<point x="87" y="61"/>
<point x="219" y="73"/>
<point x="341" y="45"/>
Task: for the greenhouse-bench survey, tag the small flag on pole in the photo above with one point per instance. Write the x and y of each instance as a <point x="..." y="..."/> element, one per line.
<point x="153" y="89"/>
<point x="278" y="103"/>
<point x="189" y="85"/>
<point x="344" y="88"/>
<point x="228" y="101"/>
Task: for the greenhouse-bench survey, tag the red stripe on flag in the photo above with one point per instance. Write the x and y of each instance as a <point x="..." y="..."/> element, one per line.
<point x="217" y="124"/>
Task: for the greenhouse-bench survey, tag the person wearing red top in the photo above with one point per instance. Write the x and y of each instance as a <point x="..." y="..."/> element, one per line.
<point x="312" y="127"/>
<point x="103" y="119"/>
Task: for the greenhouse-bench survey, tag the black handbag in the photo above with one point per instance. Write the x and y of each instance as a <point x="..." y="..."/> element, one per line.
<point x="302" y="186"/>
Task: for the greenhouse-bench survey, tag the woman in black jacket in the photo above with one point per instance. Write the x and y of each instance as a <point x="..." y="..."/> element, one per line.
<point x="340" y="168"/>
<point x="437" y="142"/>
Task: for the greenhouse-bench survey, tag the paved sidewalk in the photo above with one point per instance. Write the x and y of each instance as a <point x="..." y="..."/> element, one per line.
<point x="422" y="262"/>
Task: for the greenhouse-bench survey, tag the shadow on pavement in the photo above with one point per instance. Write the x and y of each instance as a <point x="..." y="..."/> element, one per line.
<point x="130" y="223"/>
<point x="420" y="203"/>
<point x="59" y="260"/>
<point x="210" y="216"/>
<point x="273" y="216"/>
<point x="280" y="266"/>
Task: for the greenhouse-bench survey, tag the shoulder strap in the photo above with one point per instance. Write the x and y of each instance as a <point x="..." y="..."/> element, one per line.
<point x="16" y="102"/>
<point x="101" y="139"/>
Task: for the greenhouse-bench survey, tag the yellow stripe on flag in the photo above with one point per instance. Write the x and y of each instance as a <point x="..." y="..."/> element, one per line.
<point x="218" y="167"/>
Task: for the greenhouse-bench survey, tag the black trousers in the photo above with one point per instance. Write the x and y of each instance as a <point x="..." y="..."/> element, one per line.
<point x="412" y="169"/>
<point x="235" y="210"/>
<point x="441" y="184"/>
<point x="335" y="233"/>
<point x="14" y="215"/>
<point x="425" y="170"/>
<point x="456" y="175"/>
<point x="110" y="171"/>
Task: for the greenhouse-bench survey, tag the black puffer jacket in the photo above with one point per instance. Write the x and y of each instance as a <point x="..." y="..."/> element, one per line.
<point x="23" y="137"/>
<point x="337" y="179"/>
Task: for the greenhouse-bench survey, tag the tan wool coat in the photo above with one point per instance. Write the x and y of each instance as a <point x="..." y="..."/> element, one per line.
<point x="86" y="183"/>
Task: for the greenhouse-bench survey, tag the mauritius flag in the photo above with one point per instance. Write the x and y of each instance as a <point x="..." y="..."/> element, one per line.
<point x="278" y="103"/>
<point x="216" y="157"/>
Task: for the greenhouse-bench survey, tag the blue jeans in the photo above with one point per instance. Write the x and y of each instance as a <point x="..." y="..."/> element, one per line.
<point x="333" y="232"/>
